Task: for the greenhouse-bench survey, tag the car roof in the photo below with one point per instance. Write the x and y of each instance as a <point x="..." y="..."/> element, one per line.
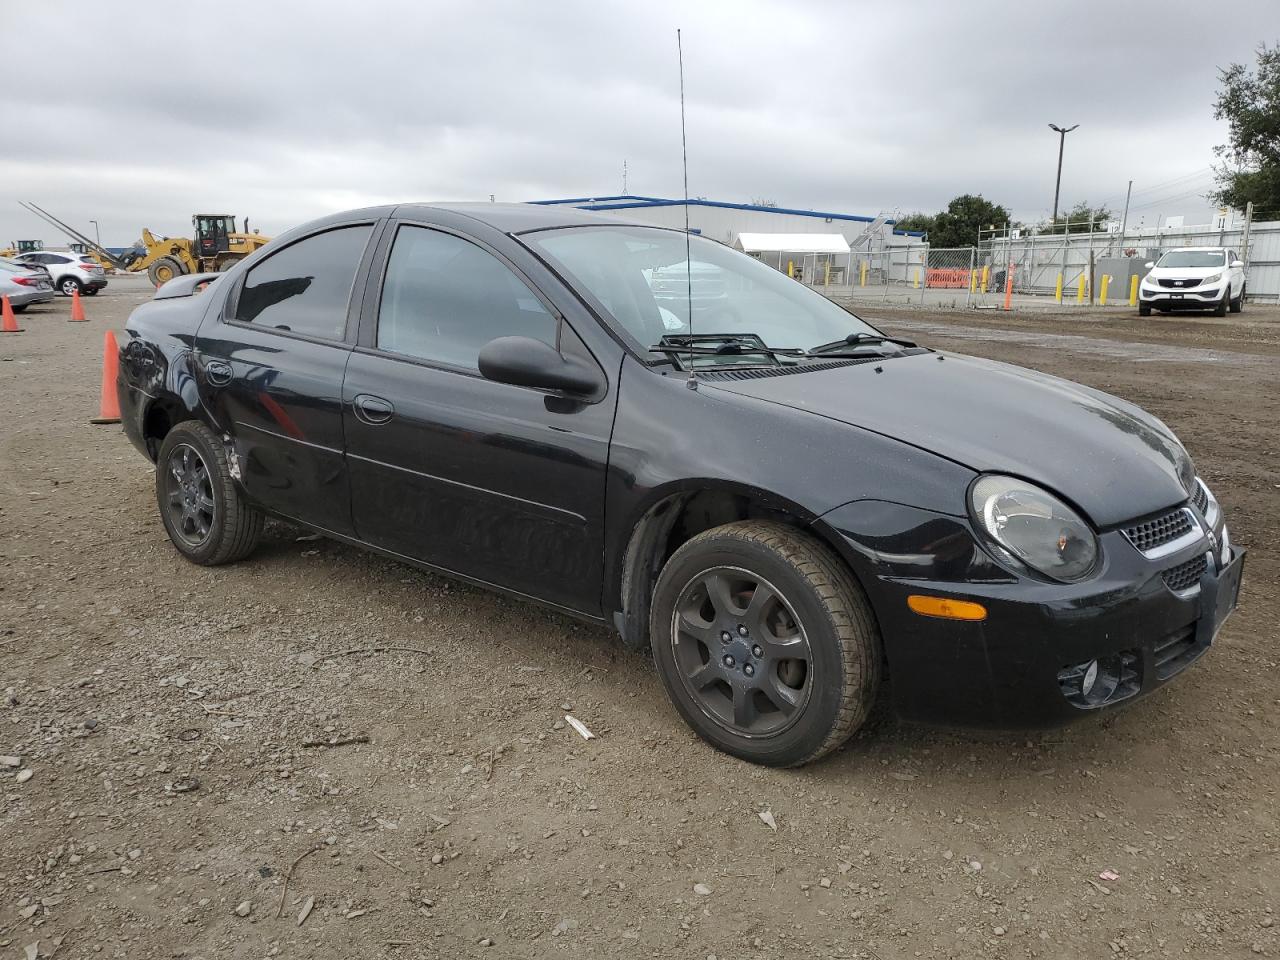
<point x="517" y="217"/>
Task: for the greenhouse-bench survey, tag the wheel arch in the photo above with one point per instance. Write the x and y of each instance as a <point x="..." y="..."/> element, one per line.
<point x="672" y="514"/>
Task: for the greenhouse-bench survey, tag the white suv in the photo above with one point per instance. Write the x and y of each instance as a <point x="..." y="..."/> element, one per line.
<point x="1194" y="278"/>
<point x="70" y="271"/>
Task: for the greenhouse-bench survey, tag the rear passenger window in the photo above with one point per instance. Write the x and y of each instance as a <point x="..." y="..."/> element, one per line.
<point x="306" y="287"/>
<point x="444" y="298"/>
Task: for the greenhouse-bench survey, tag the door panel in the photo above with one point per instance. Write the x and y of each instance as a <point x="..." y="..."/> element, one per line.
<point x="500" y="483"/>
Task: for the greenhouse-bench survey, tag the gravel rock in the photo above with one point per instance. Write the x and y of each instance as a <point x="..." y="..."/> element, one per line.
<point x="244" y="908"/>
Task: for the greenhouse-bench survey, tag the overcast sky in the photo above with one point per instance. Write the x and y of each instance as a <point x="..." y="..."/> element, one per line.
<point x="283" y="111"/>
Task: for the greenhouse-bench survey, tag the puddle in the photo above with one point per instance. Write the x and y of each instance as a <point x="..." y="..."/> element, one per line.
<point x="1074" y="343"/>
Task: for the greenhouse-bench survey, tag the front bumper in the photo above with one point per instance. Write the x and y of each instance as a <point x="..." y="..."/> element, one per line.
<point x="1191" y="298"/>
<point x="1007" y="671"/>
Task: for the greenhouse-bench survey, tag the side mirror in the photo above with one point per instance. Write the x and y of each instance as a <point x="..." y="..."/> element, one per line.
<point x="1237" y="264"/>
<point x="1149" y="264"/>
<point x="525" y="362"/>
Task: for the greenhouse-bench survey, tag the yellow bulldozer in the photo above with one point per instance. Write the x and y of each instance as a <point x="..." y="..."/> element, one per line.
<point x="22" y="246"/>
<point x="217" y="246"/>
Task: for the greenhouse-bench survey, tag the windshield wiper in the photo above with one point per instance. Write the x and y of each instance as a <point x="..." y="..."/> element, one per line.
<point x="857" y="340"/>
<point x="677" y="345"/>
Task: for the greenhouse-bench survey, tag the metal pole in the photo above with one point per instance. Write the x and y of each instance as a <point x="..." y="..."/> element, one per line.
<point x="968" y="287"/>
<point x="1244" y="240"/>
<point x="1057" y="187"/>
<point x="96" y="235"/>
<point x="1124" y="220"/>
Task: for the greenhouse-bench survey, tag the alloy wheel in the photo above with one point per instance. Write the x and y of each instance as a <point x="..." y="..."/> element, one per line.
<point x="741" y="653"/>
<point x="189" y="495"/>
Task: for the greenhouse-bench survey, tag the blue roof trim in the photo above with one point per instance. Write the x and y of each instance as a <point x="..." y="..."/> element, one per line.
<point x="624" y="202"/>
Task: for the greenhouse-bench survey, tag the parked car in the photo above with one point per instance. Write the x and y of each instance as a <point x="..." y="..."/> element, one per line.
<point x="780" y="512"/>
<point x="23" y="286"/>
<point x="70" y="271"/>
<point x="1194" y="278"/>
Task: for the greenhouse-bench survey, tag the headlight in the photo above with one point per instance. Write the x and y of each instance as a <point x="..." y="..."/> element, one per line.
<point x="1150" y="281"/>
<point x="1034" y="527"/>
<point x="1213" y="279"/>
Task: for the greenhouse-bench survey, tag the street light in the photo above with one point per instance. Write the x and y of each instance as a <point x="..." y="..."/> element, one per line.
<point x="96" y="234"/>
<point x="1062" y="140"/>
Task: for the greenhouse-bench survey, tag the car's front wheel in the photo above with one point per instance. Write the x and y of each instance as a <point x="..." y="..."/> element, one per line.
<point x="1238" y="303"/>
<point x="765" y="642"/>
<point x="203" y="511"/>
<point x="1221" y="309"/>
<point x="1144" y="310"/>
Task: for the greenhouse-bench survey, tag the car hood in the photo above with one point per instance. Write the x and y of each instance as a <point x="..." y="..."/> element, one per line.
<point x="1110" y="458"/>
<point x="1184" y="272"/>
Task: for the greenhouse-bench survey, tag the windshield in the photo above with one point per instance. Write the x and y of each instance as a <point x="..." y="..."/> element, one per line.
<point x="1193" y="258"/>
<point x="642" y="277"/>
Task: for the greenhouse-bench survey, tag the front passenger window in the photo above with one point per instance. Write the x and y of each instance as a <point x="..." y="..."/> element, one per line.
<point x="444" y="298"/>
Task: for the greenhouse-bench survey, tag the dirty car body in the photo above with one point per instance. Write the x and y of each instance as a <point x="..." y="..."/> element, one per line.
<point x="481" y="391"/>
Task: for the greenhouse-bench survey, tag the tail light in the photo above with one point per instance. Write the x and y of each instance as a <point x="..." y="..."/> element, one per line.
<point x="26" y="281"/>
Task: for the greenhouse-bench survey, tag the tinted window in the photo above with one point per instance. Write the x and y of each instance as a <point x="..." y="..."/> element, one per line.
<point x="306" y="287"/>
<point x="444" y="299"/>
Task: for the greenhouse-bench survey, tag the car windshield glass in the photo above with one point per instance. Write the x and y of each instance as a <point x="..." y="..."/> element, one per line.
<point x="643" y="278"/>
<point x="1193" y="258"/>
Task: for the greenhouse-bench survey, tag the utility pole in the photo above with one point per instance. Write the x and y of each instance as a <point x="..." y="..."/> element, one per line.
<point x="624" y="177"/>
<point x="1062" y="140"/>
<point x="1124" y="220"/>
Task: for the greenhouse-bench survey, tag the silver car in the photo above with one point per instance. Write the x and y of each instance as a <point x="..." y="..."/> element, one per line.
<point x="24" y="285"/>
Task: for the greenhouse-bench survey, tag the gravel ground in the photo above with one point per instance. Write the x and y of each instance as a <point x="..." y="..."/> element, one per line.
<point x="177" y="740"/>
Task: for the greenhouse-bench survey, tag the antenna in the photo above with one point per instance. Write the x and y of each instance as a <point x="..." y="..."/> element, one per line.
<point x="688" y="256"/>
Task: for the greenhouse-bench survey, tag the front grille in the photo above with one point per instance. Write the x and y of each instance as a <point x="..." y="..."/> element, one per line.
<point x="1178" y="283"/>
<point x="1151" y="534"/>
<point x="1172" y="654"/>
<point x="1117" y="676"/>
<point x="1200" y="500"/>
<point x="1186" y="575"/>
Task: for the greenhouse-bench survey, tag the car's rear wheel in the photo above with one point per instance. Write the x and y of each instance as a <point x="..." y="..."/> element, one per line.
<point x="203" y="511"/>
<point x="69" y="286"/>
<point x="1238" y="303"/>
<point x="765" y="643"/>
<point x="19" y="308"/>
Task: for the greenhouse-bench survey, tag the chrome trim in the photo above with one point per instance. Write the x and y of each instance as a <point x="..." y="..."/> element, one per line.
<point x="1194" y="535"/>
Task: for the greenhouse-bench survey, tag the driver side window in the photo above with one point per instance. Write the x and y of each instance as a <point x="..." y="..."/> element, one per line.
<point x="444" y="298"/>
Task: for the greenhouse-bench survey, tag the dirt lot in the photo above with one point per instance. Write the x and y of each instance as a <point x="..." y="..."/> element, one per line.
<point x="474" y="823"/>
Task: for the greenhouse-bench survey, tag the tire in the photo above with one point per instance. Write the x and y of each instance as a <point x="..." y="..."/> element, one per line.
<point x="1221" y="309"/>
<point x="1144" y="311"/>
<point x="164" y="270"/>
<point x="228" y="264"/>
<point x="209" y="521"/>
<point x="825" y="666"/>
<point x="91" y="291"/>
<point x="67" y="286"/>
<point x="1237" y="304"/>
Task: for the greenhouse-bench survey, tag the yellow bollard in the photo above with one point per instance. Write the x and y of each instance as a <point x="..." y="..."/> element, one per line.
<point x="1133" y="290"/>
<point x="1080" y="289"/>
<point x="1057" y="290"/>
<point x="915" y="279"/>
<point x="862" y="279"/>
<point x="826" y="279"/>
<point x="973" y="281"/>
<point x="986" y="275"/>
<point x="1102" y="294"/>
<point x="791" y="268"/>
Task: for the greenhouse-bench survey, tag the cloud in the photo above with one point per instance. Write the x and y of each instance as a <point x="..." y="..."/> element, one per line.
<point x="284" y="111"/>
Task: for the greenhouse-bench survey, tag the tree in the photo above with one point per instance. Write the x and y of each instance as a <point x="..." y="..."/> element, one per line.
<point x="922" y="222"/>
<point x="1250" y="103"/>
<point x="965" y="216"/>
<point x="1078" y="218"/>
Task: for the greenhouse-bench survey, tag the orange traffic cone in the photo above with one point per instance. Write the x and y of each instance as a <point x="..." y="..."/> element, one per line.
<point x="10" y="322"/>
<point x="77" y="308"/>
<point x="109" y="406"/>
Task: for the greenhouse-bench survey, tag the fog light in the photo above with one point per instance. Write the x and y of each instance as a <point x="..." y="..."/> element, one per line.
<point x="1090" y="677"/>
<point x="1094" y="683"/>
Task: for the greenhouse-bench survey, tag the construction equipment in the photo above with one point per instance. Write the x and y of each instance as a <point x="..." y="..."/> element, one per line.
<point x="217" y="246"/>
<point x="22" y="246"/>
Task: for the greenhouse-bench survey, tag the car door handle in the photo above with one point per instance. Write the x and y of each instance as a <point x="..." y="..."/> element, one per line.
<point x="373" y="409"/>
<point x="218" y="372"/>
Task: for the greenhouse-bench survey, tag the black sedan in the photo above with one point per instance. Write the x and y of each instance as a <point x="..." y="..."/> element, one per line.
<point x="783" y="511"/>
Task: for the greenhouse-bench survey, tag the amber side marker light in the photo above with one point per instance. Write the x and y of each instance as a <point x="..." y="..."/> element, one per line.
<point x="948" y="609"/>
